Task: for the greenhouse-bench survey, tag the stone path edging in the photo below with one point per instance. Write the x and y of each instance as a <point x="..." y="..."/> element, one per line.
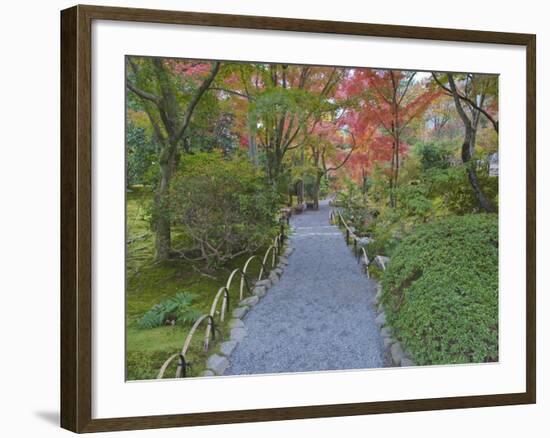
<point x="218" y="362"/>
<point x="395" y="351"/>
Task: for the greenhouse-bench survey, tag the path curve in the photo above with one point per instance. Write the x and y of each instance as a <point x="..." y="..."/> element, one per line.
<point x="319" y="316"/>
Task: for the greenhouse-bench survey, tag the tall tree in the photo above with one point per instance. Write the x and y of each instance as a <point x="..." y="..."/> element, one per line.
<point x="170" y="92"/>
<point x="470" y="102"/>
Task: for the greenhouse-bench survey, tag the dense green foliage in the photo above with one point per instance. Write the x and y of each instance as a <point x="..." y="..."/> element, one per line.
<point x="440" y="291"/>
<point x="434" y="155"/>
<point x="430" y="188"/>
<point x="141" y="157"/>
<point x="224" y="205"/>
<point x="355" y="209"/>
<point x="177" y="308"/>
<point x="450" y="186"/>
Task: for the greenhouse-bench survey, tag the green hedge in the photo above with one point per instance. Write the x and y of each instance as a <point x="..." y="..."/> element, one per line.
<point x="440" y="291"/>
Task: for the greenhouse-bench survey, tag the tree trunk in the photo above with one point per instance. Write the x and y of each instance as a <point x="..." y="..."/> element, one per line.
<point x="484" y="203"/>
<point x="161" y="224"/>
<point x="300" y="191"/>
<point x="253" y="150"/>
<point x="364" y="182"/>
<point x="301" y="186"/>
<point x="316" y="190"/>
<point x="394" y="165"/>
<point x="273" y="164"/>
<point x="252" y="147"/>
<point x="467" y="148"/>
<point x="163" y="240"/>
<point x="396" y="173"/>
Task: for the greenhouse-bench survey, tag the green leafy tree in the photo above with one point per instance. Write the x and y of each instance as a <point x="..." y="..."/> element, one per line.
<point x="169" y="92"/>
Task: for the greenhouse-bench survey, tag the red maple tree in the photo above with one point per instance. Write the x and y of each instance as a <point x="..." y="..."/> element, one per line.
<point x="389" y="99"/>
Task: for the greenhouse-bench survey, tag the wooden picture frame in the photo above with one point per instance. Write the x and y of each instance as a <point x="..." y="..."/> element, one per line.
<point x="76" y="217"/>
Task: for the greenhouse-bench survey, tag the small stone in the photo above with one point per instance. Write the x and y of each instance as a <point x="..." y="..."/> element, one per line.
<point x="385" y="332"/>
<point x="274" y="277"/>
<point x="397" y="353"/>
<point x="218" y="364"/>
<point x="378" y="295"/>
<point x="207" y="373"/>
<point x="236" y="323"/>
<point x="250" y="301"/>
<point x="278" y="271"/>
<point x="406" y="362"/>
<point x="266" y="283"/>
<point x="259" y="291"/>
<point x="238" y="334"/>
<point x="227" y="347"/>
<point x="382" y="262"/>
<point x="381" y="319"/>
<point x="283" y="260"/>
<point x="289" y="250"/>
<point x="388" y="342"/>
<point x="239" y="312"/>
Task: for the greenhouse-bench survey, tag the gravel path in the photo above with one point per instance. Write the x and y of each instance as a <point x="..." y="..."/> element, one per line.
<point x="319" y="316"/>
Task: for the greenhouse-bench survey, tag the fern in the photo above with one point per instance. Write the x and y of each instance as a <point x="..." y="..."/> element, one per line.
<point x="178" y="308"/>
<point x="187" y="316"/>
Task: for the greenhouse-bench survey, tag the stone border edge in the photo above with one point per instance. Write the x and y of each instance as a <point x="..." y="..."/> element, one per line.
<point x="395" y="351"/>
<point x="218" y="362"/>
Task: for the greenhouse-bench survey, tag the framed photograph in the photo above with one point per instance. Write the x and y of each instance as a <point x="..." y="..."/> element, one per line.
<point x="268" y="218"/>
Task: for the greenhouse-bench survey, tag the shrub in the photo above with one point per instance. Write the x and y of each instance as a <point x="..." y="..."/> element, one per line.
<point x="391" y="225"/>
<point x="454" y="192"/>
<point x="177" y="308"/>
<point x="354" y="206"/>
<point x="441" y="291"/>
<point x="224" y="206"/>
<point x="386" y="231"/>
<point x="434" y="154"/>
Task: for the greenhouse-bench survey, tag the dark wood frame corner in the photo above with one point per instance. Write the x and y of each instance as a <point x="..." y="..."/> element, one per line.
<point x="76" y="220"/>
